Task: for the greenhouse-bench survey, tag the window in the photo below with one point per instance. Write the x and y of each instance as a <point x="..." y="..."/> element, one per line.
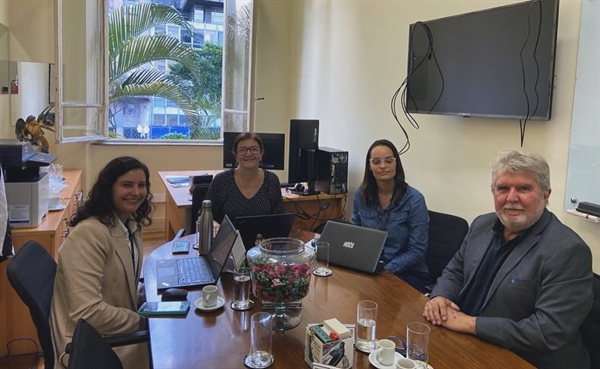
<point x="83" y="112"/>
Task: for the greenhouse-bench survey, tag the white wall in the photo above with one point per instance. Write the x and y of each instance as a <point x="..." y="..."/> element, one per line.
<point x="348" y="58"/>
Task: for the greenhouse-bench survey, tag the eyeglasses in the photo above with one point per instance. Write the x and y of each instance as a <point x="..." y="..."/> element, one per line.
<point x="254" y="150"/>
<point x="388" y="161"/>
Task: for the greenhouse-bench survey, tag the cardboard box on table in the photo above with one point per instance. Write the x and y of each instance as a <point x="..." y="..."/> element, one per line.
<point x="337" y="353"/>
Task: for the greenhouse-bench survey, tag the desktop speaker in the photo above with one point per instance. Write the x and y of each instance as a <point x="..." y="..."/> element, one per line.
<point x="332" y="172"/>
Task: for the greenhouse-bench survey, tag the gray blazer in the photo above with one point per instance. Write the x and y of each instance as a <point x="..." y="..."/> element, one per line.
<point x="539" y="297"/>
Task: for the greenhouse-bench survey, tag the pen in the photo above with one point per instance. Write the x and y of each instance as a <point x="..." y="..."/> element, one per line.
<point x="584" y="215"/>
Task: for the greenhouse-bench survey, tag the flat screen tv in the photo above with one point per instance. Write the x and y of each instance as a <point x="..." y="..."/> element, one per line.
<point x="495" y="63"/>
<point x="274" y="145"/>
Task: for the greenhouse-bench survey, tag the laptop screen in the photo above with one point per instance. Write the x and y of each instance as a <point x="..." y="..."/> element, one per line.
<point x="219" y="253"/>
<point x="269" y="226"/>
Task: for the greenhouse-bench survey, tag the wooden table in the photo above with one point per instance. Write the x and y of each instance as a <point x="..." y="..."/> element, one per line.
<point x="179" y="203"/>
<point x="220" y="339"/>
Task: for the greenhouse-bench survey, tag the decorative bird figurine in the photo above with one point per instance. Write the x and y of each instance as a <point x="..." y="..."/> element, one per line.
<point x="32" y="129"/>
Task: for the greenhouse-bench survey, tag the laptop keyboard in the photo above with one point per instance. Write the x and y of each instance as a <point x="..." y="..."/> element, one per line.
<point x="193" y="271"/>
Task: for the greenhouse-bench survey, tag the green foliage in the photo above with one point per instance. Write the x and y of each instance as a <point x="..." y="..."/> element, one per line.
<point x="131" y="51"/>
<point x="210" y="66"/>
<point x="175" y="136"/>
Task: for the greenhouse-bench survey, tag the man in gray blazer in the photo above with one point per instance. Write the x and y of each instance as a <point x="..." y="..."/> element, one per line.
<point x="521" y="279"/>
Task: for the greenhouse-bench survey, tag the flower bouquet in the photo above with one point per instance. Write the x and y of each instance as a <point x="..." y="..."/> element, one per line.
<point x="280" y="269"/>
<point x="280" y="281"/>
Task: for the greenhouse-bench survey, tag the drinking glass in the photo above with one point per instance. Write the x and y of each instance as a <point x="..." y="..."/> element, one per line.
<point x="261" y="337"/>
<point x="322" y="249"/>
<point x="417" y="343"/>
<point x="366" y="324"/>
<point x="241" y="290"/>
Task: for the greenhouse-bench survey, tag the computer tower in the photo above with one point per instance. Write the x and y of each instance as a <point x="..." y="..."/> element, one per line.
<point x="332" y="172"/>
<point x="304" y="136"/>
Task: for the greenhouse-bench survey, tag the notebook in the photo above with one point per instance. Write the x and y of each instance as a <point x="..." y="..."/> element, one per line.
<point x="353" y="246"/>
<point x="200" y="270"/>
<point x="269" y="226"/>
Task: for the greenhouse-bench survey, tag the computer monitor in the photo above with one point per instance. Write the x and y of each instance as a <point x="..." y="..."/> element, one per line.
<point x="304" y="144"/>
<point x="274" y="150"/>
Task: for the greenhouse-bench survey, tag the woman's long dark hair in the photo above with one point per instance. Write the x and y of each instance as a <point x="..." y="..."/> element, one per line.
<point x="99" y="202"/>
<point x="368" y="187"/>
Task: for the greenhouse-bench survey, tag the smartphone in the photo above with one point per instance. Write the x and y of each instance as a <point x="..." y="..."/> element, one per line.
<point x="164" y="308"/>
<point x="181" y="247"/>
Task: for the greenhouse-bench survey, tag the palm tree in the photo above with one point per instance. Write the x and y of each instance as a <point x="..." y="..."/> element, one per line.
<point x="131" y="49"/>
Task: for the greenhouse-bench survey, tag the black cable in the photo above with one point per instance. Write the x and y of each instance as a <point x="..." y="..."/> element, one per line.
<point x="401" y="91"/>
<point x="528" y="116"/>
<point x="8" y="355"/>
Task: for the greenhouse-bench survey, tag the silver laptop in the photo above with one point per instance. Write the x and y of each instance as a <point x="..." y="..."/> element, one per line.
<point x="200" y="270"/>
<point x="353" y="246"/>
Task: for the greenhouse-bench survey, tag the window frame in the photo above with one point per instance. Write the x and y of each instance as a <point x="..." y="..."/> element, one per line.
<point x="235" y="113"/>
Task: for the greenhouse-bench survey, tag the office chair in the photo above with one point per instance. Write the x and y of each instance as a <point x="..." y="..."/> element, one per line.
<point x="320" y="227"/>
<point x="197" y="198"/>
<point x="88" y="350"/>
<point x="31" y="273"/>
<point x="446" y="234"/>
<point x="590" y="328"/>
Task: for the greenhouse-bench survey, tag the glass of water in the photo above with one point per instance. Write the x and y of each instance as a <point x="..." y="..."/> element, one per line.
<point x="241" y="289"/>
<point x="322" y="250"/>
<point x="366" y="324"/>
<point x="261" y="337"/>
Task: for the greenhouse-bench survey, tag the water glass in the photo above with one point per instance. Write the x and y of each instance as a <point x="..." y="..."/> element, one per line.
<point x="417" y="343"/>
<point x="366" y="324"/>
<point x="261" y="337"/>
<point x="322" y="250"/>
<point x="241" y="290"/>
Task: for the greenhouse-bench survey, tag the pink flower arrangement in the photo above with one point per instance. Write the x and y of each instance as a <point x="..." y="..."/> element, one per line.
<point x="280" y="281"/>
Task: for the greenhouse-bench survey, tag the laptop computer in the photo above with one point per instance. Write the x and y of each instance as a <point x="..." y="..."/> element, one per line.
<point x="353" y="246"/>
<point x="200" y="270"/>
<point x="269" y="226"/>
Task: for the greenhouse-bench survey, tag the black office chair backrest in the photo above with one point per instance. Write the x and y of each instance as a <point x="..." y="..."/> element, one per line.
<point x="197" y="198"/>
<point x="320" y="227"/>
<point x="446" y="234"/>
<point x="88" y="350"/>
<point x="31" y="273"/>
<point x="590" y="328"/>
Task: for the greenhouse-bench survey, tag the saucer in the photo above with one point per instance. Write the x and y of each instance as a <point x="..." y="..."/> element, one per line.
<point x="200" y="305"/>
<point x="57" y="207"/>
<point x="378" y="365"/>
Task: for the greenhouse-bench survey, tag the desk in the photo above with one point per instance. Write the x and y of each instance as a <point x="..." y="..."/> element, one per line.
<point x="15" y="320"/>
<point x="220" y="339"/>
<point x="179" y="203"/>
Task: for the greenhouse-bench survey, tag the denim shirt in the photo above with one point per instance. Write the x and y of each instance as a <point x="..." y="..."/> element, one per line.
<point x="407" y="225"/>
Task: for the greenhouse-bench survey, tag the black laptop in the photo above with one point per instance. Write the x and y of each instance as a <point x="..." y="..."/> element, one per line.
<point x="200" y="270"/>
<point x="269" y="226"/>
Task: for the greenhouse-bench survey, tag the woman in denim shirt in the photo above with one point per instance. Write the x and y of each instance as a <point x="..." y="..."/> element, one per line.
<point x="385" y="201"/>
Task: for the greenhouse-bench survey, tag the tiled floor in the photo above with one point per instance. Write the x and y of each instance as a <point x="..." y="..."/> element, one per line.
<point x="36" y="361"/>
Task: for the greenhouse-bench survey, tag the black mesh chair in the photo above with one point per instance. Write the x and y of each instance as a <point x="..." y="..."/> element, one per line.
<point x="446" y="234"/>
<point x="197" y="198"/>
<point x="88" y="350"/>
<point x="31" y="273"/>
<point x="590" y="328"/>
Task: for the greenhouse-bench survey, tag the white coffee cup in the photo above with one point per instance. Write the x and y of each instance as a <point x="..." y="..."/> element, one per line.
<point x="209" y="296"/>
<point x="404" y="363"/>
<point x="53" y="201"/>
<point x="386" y="351"/>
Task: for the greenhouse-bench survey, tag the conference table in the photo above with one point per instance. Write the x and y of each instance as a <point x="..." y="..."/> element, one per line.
<point x="221" y="339"/>
<point x="312" y="210"/>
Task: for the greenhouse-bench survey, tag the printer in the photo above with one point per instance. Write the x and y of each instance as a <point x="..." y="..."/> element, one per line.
<point x="27" y="188"/>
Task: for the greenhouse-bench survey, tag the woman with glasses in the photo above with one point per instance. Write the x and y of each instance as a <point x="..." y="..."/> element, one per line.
<point x="247" y="189"/>
<point x="385" y="201"/>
